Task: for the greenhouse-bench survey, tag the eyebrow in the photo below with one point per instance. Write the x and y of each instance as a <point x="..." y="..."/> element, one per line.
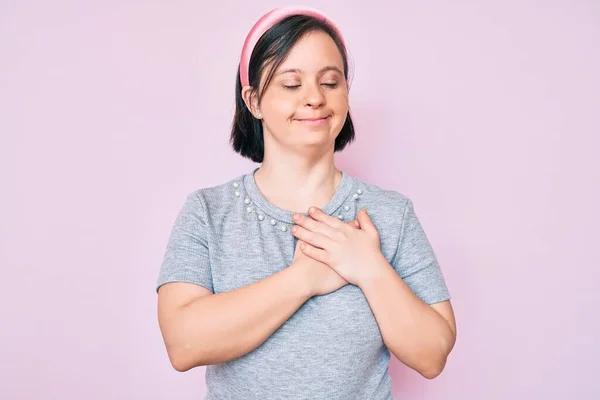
<point x="324" y="69"/>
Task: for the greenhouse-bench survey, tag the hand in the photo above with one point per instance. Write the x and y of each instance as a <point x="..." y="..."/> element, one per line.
<point x="322" y="279"/>
<point x="350" y="249"/>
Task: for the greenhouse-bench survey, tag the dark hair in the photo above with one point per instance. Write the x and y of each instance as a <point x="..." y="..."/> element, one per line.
<point x="272" y="48"/>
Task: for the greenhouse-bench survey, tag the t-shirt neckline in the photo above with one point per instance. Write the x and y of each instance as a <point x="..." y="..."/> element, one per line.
<point x="342" y="192"/>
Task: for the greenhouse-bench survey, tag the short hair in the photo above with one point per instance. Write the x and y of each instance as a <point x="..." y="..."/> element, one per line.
<point x="272" y="48"/>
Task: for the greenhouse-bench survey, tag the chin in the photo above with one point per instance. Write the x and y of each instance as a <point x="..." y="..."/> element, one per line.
<point x="316" y="138"/>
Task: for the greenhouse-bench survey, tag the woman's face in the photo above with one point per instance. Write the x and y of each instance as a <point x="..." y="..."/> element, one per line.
<point x="306" y="102"/>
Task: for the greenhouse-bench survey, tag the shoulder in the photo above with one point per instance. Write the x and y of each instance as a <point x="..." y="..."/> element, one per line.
<point x="220" y="193"/>
<point x="388" y="209"/>
<point x="381" y="201"/>
<point x="213" y="200"/>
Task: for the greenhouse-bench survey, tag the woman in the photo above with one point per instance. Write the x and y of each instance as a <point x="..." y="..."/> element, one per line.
<point x="278" y="280"/>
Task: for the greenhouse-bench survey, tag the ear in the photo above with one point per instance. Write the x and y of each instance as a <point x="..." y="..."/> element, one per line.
<point x="251" y="101"/>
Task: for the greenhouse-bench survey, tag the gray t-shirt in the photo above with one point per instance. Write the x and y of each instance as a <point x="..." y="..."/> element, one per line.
<point x="229" y="236"/>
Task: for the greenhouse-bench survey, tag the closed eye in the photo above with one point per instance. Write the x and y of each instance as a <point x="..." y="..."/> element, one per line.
<point x="293" y="87"/>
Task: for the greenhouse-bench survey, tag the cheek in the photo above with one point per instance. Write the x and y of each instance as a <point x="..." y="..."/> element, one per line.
<point x="279" y="110"/>
<point x="339" y="104"/>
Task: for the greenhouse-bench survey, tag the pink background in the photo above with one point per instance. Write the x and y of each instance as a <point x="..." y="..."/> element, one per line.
<point x="484" y="113"/>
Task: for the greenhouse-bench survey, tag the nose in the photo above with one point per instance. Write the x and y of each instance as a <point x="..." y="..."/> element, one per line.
<point x="314" y="96"/>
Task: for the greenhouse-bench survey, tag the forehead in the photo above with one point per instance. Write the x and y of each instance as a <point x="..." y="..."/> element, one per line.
<point x="313" y="51"/>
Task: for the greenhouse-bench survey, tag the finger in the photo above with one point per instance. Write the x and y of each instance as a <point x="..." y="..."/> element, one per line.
<point x="297" y="250"/>
<point x="313" y="225"/>
<point x="321" y="216"/>
<point x="315" y="253"/>
<point x="313" y="238"/>
<point x="354" y="223"/>
<point x="365" y="221"/>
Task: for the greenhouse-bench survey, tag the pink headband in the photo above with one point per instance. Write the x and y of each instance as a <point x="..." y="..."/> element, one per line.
<point x="265" y="23"/>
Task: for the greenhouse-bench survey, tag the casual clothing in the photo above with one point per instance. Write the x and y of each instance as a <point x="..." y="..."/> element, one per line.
<point x="229" y="236"/>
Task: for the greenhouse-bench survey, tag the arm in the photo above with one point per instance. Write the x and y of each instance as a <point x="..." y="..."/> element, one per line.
<point x="420" y="335"/>
<point x="411" y="301"/>
<point x="399" y="294"/>
<point x="201" y="328"/>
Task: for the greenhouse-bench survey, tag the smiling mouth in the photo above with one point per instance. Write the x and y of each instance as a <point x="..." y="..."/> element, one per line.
<point x="313" y="122"/>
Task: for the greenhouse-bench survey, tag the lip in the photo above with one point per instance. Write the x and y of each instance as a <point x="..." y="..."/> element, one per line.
<point x="313" y="121"/>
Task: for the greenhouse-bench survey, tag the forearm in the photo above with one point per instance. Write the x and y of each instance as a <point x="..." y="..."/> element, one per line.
<point x="220" y="327"/>
<point x="411" y="329"/>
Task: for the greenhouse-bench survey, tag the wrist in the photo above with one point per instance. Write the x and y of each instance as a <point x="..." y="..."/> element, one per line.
<point x="303" y="281"/>
<point x="377" y="269"/>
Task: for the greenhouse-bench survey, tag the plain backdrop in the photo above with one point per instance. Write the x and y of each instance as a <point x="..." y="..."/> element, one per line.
<point x="484" y="113"/>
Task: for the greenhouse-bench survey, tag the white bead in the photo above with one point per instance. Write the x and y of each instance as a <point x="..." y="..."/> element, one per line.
<point x="346" y="208"/>
<point x="340" y="216"/>
<point x="355" y="196"/>
<point x="249" y="209"/>
<point x="237" y="193"/>
<point x="273" y="222"/>
<point x="236" y="185"/>
<point x="283" y="228"/>
<point x="359" y="191"/>
<point x="247" y="200"/>
<point x="261" y="217"/>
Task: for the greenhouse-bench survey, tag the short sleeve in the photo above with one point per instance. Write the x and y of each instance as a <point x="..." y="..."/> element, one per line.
<point x="186" y="256"/>
<point x="416" y="261"/>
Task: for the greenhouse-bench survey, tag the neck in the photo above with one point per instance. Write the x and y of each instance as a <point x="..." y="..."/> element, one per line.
<point x="295" y="183"/>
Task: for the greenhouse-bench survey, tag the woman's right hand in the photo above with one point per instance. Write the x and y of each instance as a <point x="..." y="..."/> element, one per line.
<point x="322" y="279"/>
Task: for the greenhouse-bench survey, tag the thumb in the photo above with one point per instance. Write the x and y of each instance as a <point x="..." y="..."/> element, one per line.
<point x="354" y="223"/>
<point x="365" y="221"/>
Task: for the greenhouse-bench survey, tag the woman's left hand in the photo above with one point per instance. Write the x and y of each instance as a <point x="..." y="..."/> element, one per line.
<point x="350" y="251"/>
